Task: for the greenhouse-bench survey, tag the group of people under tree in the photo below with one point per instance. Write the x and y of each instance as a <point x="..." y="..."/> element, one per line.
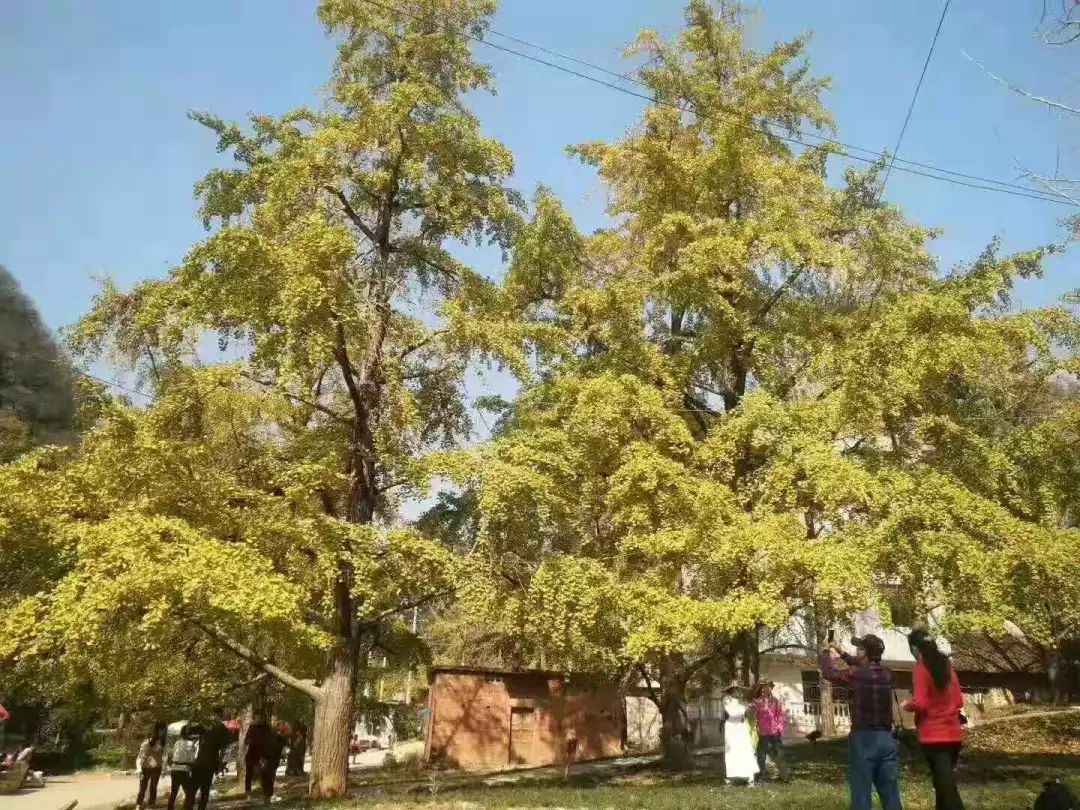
<point x="199" y="752"/>
<point x="873" y="746"/>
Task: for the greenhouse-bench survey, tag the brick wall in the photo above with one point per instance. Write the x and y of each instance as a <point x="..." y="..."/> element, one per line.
<point x="487" y="719"/>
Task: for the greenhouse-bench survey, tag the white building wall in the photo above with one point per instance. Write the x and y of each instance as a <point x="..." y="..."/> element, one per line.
<point x="642" y="724"/>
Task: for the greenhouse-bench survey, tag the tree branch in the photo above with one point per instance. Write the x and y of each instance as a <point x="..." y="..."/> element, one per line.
<point x="655" y="698"/>
<point x="1016" y="89"/>
<point x="341" y="354"/>
<point x="289" y="395"/>
<point x="278" y="674"/>
<point x="350" y="212"/>
<point x="402" y="608"/>
<point x="421" y="343"/>
<point x="693" y="666"/>
<point x="777" y="295"/>
<point x="1045" y="183"/>
<point x="778" y="647"/>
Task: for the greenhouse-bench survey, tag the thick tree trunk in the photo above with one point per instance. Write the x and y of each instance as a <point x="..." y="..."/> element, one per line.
<point x="123" y="739"/>
<point x="330" y="734"/>
<point x="674" y="731"/>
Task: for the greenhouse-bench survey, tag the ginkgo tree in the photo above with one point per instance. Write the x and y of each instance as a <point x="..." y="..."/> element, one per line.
<point x="264" y="527"/>
<point x="732" y="398"/>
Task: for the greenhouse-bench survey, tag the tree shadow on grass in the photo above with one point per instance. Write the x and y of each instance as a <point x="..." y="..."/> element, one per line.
<point x="821" y="766"/>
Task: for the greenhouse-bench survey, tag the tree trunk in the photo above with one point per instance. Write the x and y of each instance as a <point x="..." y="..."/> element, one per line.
<point x="674" y="732"/>
<point x="330" y="734"/>
<point x="828" y="715"/>
<point x="1057" y="676"/>
<point x="123" y="739"/>
<point x="825" y="695"/>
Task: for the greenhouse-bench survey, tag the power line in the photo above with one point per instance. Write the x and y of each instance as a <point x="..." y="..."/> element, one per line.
<point x="87" y="374"/>
<point x="801" y="133"/>
<point x="1000" y="186"/>
<point x="914" y="97"/>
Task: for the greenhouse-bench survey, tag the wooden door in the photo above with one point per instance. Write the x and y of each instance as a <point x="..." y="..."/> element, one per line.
<point x="522" y="734"/>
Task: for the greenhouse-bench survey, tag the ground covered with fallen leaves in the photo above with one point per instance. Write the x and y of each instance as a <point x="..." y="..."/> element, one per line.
<point x="1004" y="766"/>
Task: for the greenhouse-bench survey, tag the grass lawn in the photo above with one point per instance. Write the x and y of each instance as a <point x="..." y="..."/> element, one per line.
<point x="1002" y="769"/>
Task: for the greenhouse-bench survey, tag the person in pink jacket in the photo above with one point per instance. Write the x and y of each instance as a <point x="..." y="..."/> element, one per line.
<point x="771" y="723"/>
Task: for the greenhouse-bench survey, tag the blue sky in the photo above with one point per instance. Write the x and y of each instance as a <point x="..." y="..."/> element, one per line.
<point x="97" y="158"/>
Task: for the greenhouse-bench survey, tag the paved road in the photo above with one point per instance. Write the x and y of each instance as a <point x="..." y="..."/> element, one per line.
<point x="103" y="791"/>
<point x="94" y="791"/>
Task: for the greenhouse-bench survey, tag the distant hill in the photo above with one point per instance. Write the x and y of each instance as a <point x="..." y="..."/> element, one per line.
<point x="37" y="392"/>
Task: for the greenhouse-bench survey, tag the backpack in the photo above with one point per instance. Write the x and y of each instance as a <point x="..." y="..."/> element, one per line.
<point x="1057" y="795"/>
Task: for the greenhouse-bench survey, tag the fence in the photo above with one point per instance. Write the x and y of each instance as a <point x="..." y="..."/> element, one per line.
<point x="806" y="717"/>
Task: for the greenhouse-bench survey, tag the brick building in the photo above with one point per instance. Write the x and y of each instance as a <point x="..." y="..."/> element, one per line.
<point x="490" y="718"/>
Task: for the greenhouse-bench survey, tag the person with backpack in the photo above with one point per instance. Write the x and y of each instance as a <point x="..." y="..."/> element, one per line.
<point x="937" y="702"/>
<point x="179" y="761"/>
<point x="151" y="758"/>
<point x="212" y="742"/>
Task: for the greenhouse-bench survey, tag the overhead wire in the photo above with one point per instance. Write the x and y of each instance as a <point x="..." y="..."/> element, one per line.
<point x="914" y="97"/>
<point x="933" y="172"/>
<point x="87" y="374"/>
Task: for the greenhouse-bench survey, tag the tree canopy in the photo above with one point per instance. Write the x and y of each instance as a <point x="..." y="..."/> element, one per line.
<point x="755" y="394"/>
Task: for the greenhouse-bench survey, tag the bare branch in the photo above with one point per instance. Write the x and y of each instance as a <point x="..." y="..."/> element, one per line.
<point x="1045" y="183"/>
<point x="421" y="343"/>
<point x="655" y="698"/>
<point x="777" y="294"/>
<point x="1016" y="89"/>
<point x="350" y="212"/>
<point x="341" y="355"/>
<point x="281" y="676"/>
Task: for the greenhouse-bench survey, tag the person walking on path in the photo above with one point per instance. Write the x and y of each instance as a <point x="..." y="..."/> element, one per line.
<point x="739" y="760"/>
<point x="212" y="742"/>
<point x="258" y="736"/>
<point x="294" y="764"/>
<point x="873" y="758"/>
<point x="151" y="758"/>
<point x="275" y="744"/>
<point x="937" y="701"/>
<point x="179" y="761"/>
<point x="771" y="724"/>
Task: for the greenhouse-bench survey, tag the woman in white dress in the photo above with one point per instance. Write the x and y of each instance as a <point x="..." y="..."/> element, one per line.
<point x="740" y="763"/>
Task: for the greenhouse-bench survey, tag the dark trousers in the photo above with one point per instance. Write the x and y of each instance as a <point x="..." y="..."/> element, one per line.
<point x="148" y="779"/>
<point x="202" y="777"/>
<point x="266" y="776"/>
<point x="942" y="758"/>
<point x="770" y="745"/>
<point x="251" y="767"/>
<point x="873" y="763"/>
<point x="180" y="779"/>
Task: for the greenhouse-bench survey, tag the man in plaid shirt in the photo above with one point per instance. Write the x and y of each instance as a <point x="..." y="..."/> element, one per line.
<point x="873" y="759"/>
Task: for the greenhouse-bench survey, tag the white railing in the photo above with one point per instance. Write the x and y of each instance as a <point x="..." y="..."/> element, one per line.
<point x="806" y="716"/>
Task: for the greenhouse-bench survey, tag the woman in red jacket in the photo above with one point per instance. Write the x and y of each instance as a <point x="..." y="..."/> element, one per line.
<point x="937" y="701"/>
